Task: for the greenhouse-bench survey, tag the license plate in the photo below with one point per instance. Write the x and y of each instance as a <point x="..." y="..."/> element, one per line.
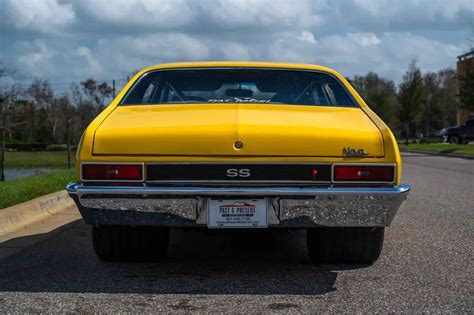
<point x="237" y="213"/>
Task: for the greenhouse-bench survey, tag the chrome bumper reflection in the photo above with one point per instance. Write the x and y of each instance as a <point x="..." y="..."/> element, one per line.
<point x="287" y="206"/>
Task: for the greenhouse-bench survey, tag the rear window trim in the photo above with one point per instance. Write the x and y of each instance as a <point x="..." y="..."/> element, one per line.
<point x="343" y="87"/>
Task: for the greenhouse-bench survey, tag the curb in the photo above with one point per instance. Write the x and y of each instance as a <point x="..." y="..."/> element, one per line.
<point x="24" y="214"/>
<point x="456" y="155"/>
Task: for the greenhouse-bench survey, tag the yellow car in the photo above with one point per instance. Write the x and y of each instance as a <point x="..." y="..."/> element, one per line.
<point x="243" y="145"/>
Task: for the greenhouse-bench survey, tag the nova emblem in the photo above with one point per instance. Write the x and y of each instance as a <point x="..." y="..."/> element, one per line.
<point x="347" y="151"/>
<point x="233" y="172"/>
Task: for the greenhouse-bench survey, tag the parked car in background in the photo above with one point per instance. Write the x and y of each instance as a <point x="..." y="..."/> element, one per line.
<point x="238" y="145"/>
<point x="459" y="134"/>
<point x="433" y="138"/>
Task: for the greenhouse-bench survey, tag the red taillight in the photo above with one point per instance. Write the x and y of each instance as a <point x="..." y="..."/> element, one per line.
<point x="93" y="172"/>
<point x="370" y="173"/>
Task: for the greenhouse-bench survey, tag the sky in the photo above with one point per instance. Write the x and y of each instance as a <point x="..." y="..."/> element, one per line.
<point x="67" y="41"/>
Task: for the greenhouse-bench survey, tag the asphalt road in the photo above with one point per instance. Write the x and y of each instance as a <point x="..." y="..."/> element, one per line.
<point x="426" y="264"/>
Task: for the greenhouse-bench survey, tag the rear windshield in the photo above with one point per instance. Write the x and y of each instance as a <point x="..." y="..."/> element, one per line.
<point x="264" y="86"/>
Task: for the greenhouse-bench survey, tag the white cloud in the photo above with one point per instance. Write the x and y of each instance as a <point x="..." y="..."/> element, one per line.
<point x="162" y="46"/>
<point x="44" y="16"/>
<point x="132" y="53"/>
<point x="307" y="36"/>
<point x="64" y="40"/>
<point x="365" y="39"/>
<point x="389" y="58"/>
<point x="57" y="61"/>
<point x="93" y="66"/>
<point x="428" y="8"/>
<point x="122" y="14"/>
<point x="265" y="13"/>
<point x="34" y="55"/>
<point x="412" y="15"/>
<point x="118" y="57"/>
<point x="235" y="51"/>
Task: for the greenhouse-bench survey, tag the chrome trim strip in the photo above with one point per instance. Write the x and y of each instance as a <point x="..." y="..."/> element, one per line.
<point x="78" y="189"/>
<point x="203" y="182"/>
<point x="112" y="180"/>
<point x="238" y="162"/>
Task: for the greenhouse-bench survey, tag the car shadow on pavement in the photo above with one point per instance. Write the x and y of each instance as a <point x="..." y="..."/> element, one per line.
<point x="229" y="263"/>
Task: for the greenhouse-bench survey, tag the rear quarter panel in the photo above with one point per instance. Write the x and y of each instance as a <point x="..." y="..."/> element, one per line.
<point x="392" y="152"/>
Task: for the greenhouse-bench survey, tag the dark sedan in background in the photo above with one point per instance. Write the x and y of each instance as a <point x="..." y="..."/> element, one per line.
<point x="459" y="134"/>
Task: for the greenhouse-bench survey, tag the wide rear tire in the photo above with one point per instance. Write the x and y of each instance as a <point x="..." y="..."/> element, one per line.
<point x="126" y="243"/>
<point x="345" y="245"/>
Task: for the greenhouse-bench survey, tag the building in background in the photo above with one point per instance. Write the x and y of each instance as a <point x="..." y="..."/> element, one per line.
<point x="464" y="65"/>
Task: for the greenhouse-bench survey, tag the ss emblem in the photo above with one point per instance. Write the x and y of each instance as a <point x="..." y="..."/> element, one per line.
<point x="233" y="172"/>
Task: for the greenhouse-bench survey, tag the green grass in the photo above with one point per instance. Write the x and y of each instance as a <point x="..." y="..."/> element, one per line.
<point x="467" y="149"/>
<point x="38" y="159"/>
<point x="27" y="188"/>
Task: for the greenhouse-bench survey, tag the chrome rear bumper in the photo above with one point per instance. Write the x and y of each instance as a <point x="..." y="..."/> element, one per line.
<point x="286" y="206"/>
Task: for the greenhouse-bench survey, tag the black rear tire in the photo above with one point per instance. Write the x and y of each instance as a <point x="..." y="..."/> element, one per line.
<point x="345" y="245"/>
<point x="126" y="243"/>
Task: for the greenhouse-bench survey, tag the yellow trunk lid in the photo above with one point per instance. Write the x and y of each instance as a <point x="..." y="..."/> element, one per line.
<point x="213" y="129"/>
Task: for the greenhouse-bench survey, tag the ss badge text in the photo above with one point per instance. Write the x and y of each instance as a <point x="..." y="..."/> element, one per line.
<point x="233" y="172"/>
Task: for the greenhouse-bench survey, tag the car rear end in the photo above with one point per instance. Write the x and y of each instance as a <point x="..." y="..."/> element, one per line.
<point x="271" y="157"/>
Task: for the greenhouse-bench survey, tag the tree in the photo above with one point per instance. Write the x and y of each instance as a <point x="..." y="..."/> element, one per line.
<point x="89" y="98"/>
<point x="448" y="98"/>
<point x="430" y="111"/>
<point x="68" y="117"/>
<point x="85" y="110"/>
<point x="410" y="97"/>
<point x="439" y="106"/>
<point x="95" y="93"/>
<point x="8" y="90"/>
<point x="380" y="95"/>
<point x="48" y="106"/>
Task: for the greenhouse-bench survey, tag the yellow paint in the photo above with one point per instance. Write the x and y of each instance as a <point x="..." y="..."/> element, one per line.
<point x="207" y="132"/>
